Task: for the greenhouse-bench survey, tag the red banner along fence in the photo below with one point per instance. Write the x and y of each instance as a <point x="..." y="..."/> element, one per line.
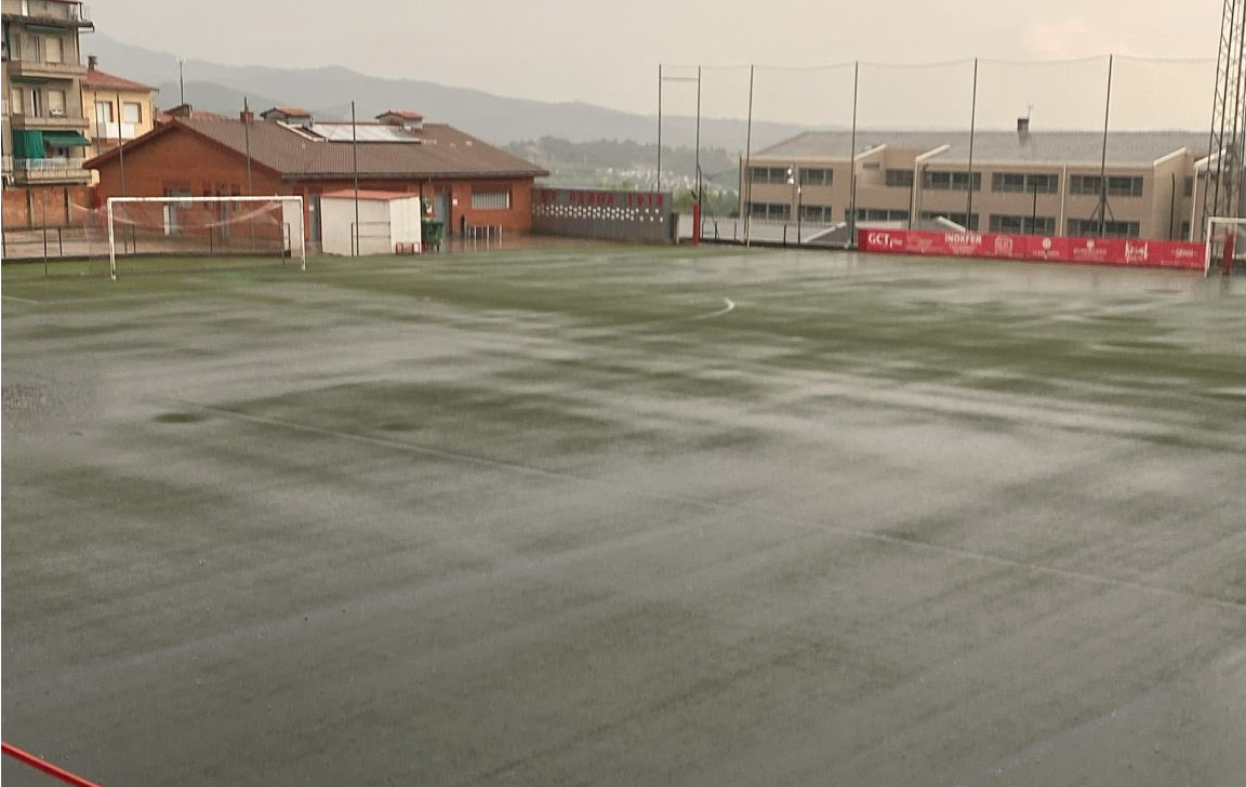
<point x="1036" y="248"/>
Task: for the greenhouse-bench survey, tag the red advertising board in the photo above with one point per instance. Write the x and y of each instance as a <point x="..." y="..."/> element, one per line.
<point x="1035" y="248"/>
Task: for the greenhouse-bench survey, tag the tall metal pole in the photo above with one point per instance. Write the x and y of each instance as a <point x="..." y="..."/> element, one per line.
<point x="181" y="83"/>
<point x="120" y="144"/>
<point x="246" y="137"/>
<point x="354" y="152"/>
<point x="852" y="162"/>
<point x="1103" y="162"/>
<point x="1236" y="159"/>
<point x="973" y="122"/>
<point x="659" y="127"/>
<point x="748" y="165"/>
<point x="698" y="142"/>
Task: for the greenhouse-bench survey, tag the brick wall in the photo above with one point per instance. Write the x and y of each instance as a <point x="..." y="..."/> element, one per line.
<point x="183" y="160"/>
<point x="46" y="206"/>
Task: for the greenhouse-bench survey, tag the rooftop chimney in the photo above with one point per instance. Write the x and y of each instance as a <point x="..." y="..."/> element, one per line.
<point x="1023" y="127"/>
<point x="246" y="116"/>
<point x="93" y="62"/>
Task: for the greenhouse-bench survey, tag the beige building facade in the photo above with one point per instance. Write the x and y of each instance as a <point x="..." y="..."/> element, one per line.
<point x="44" y="123"/>
<point x="1043" y="183"/>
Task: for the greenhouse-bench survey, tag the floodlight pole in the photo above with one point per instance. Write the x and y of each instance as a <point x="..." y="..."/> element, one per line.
<point x="120" y="144"/>
<point x="696" y="230"/>
<point x="973" y="122"/>
<point x="354" y="152"/>
<point x="748" y="165"/>
<point x="659" y="188"/>
<point x="1103" y="161"/>
<point x="852" y="162"/>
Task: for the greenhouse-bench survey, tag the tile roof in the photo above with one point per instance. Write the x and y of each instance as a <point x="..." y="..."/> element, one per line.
<point x="406" y="114"/>
<point x="1050" y="147"/>
<point x="289" y="111"/>
<point x="296" y="155"/>
<point x="102" y="79"/>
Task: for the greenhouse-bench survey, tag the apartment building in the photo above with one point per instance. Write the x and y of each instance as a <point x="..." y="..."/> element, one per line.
<point x="117" y="108"/>
<point x="1027" y="182"/>
<point x="44" y="123"/>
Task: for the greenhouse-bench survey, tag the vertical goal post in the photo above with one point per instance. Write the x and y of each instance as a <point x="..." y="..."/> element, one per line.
<point x="291" y="220"/>
<point x="1226" y="244"/>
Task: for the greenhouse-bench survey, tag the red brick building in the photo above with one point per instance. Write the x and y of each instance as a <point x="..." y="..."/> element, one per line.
<point x="467" y="180"/>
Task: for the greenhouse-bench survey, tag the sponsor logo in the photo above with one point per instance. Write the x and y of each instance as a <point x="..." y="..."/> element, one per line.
<point x="1135" y="252"/>
<point x="884" y="240"/>
<point x="1003" y="246"/>
<point x="963" y="239"/>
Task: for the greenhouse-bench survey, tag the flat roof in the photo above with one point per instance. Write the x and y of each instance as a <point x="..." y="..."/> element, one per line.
<point x="1040" y="147"/>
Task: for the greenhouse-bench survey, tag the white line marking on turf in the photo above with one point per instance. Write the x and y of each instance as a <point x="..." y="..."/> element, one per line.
<point x="21" y="300"/>
<point x="719" y="313"/>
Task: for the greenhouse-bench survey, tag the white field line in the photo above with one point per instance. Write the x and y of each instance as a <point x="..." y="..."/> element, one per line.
<point x="21" y="300"/>
<point x="726" y="310"/>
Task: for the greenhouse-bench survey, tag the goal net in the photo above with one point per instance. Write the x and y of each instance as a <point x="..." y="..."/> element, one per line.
<point x="1226" y="246"/>
<point x="147" y="234"/>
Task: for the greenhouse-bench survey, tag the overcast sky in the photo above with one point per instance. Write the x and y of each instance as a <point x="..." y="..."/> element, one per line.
<point x="607" y="52"/>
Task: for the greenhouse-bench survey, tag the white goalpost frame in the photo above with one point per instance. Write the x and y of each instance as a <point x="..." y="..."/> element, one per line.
<point x="278" y="198"/>
<point x="1215" y="223"/>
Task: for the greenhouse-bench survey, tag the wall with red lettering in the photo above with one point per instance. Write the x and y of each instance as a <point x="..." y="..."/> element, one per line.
<point x="1035" y="248"/>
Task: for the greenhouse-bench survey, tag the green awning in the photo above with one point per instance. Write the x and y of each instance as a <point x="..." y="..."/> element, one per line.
<point x="28" y="144"/>
<point x="68" y="139"/>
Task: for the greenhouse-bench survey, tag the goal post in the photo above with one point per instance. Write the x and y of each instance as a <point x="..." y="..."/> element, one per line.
<point x="1226" y="245"/>
<point x="184" y="226"/>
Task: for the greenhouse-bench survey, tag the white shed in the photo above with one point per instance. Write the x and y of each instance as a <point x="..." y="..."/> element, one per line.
<point x="389" y="222"/>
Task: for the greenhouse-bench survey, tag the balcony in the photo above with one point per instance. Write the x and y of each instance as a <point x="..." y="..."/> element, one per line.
<point x="54" y="14"/>
<point x="49" y="170"/>
<point x="37" y="70"/>
<point x="45" y="123"/>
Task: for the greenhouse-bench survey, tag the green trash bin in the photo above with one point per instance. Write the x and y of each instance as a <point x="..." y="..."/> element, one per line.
<point x="432" y="231"/>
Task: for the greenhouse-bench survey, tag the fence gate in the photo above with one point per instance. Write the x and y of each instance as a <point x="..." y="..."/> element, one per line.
<point x="610" y="215"/>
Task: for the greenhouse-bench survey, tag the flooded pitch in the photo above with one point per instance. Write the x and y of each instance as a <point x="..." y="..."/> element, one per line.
<point x="627" y="517"/>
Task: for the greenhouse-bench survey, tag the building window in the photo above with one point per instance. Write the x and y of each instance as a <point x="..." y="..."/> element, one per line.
<point x="769" y="211"/>
<point x="951" y="181"/>
<point x="1089" y="228"/>
<point x="1189" y="187"/>
<point x="881" y="214"/>
<point x="900" y="178"/>
<point x="1185" y="230"/>
<point x="56" y="103"/>
<point x="53" y="50"/>
<point x="36" y="103"/>
<point x="764" y="175"/>
<point x="33" y="51"/>
<point x="491" y="199"/>
<point x="818" y="214"/>
<point x="132" y="112"/>
<point x="1023" y="225"/>
<point x="1028" y="183"/>
<point x="103" y="112"/>
<point x="956" y="218"/>
<point x="1118" y="185"/>
<point x="17" y="106"/>
<point x="817" y="177"/>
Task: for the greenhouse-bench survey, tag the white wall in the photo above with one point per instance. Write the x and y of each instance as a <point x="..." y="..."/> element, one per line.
<point x="404" y="222"/>
<point x="337" y="214"/>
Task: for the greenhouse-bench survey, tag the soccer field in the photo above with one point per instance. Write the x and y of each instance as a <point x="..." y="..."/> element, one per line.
<point x="627" y="516"/>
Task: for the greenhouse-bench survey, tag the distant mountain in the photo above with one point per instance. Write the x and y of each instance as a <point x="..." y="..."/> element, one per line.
<point x="328" y="91"/>
<point x="627" y="164"/>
